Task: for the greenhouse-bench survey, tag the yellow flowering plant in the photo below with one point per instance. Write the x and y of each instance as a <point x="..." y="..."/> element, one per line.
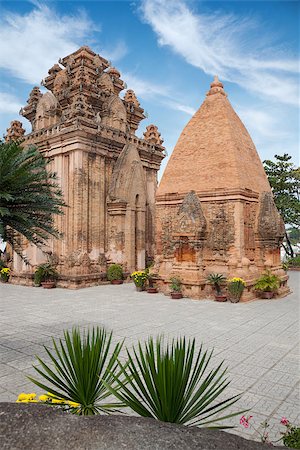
<point x="5" y="273"/>
<point x="49" y="399"/>
<point x="139" y="278"/>
<point x="235" y="287"/>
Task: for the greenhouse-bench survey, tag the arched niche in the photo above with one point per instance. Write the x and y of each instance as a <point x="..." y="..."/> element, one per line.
<point x="105" y="84"/>
<point x="47" y="111"/>
<point x="127" y="209"/>
<point x="115" y="114"/>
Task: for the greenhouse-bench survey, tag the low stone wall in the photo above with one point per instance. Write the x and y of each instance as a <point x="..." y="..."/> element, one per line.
<point x="204" y="291"/>
<point x="32" y="426"/>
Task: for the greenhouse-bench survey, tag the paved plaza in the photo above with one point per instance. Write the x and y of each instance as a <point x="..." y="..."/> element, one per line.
<point x="258" y="340"/>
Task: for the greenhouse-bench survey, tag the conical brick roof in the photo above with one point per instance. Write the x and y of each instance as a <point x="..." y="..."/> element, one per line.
<point x="214" y="151"/>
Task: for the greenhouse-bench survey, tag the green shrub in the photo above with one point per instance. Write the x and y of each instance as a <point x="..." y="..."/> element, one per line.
<point x="115" y="272"/>
<point x="83" y="368"/>
<point x="292" y="438"/>
<point x="294" y="262"/>
<point x="173" y="384"/>
<point x="175" y="284"/>
<point x="267" y="282"/>
<point x="45" y="272"/>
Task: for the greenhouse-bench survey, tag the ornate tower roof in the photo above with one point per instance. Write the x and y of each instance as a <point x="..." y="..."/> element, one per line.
<point x="214" y="151"/>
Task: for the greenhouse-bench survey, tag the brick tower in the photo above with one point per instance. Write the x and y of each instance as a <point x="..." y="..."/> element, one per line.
<point x="214" y="206"/>
<point x="108" y="174"/>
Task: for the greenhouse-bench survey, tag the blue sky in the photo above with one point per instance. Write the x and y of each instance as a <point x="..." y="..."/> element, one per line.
<point x="168" y="52"/>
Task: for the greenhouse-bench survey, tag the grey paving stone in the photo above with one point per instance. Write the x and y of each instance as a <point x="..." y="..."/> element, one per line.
<point x="258" y="340"/>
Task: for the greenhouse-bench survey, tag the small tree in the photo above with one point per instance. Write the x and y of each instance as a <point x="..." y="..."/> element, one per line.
<point x="294" y="235"/>
<point x="284" y="179"/>
<point x="29" y="196"/>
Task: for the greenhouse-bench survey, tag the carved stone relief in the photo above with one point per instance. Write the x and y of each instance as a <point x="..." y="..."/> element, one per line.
<point x="249" y="229"/>
<point x="190" y="219"/>
<point x="270" y="225"/>
<point x="221" y="225"/>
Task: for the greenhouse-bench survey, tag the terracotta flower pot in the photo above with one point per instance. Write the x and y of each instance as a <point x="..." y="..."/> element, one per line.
<point x="140" y="288"/>
<point x="152" y="290"/>
<point x="49" y="284"/>
<point x="267" y="294"/>
<point x="220" y="298"/>
<point x="176" y="295"/>
<point x="116" y="282"/>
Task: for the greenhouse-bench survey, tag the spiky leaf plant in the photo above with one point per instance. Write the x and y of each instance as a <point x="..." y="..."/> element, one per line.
<point x="84" y="367"/>
<point x="216" y="279"/>
<point x="29" y="196"/>
<point x="173" y="383"/>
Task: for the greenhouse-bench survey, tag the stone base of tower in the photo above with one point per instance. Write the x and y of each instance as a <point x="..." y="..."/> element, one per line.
<point x="195" y="286"/>
<point x="233" y="233"/>
<point x="69" y="282"/>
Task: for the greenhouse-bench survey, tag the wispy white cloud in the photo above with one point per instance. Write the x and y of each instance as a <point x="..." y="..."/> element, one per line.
<point x="224" y="44"/>
<point x="160" y="93"/>
<point x="145" y="88"/>
<point x="36" y="40"/>
<point x="262" y="124"/>
<point x="180" y="107"/>
<point x="9" y="103"/>
<point x="114" y="54"/>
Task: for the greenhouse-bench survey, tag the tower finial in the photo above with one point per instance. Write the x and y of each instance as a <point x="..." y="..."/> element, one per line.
<point x="216" y="87"/>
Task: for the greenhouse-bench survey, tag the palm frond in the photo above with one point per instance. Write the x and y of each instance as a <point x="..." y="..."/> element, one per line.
<point x="30" y="196"/>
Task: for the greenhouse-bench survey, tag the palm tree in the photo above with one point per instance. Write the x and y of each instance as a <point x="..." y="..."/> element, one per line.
<point x="29" y="196"/>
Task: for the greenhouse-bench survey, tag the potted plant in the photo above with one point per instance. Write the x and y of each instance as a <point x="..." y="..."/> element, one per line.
<point x="267" y="284"/>
<point x="139" y="278"/>
<point x="115" y="274"/>
<point x="151" y="289"/>
<point x="45" y="275"/>
<point x="4" y="274"/>
<point x="176" y="288"/>
<point x="235" y="288"/>
<point x="216" y="279"/>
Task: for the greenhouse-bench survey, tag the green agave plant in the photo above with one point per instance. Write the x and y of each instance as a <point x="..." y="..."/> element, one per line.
<point x="174" y="384"/>
<point x="83" y="371"/>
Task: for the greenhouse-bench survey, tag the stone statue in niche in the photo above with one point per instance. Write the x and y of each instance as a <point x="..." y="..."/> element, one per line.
<point x="190" y="218"/>
<point x="222" y="229"/>
<point x="189" y="228"/>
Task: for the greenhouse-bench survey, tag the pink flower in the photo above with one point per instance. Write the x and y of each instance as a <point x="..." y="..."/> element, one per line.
<point x="284" y="421"/>
<point x="245" y="421"/>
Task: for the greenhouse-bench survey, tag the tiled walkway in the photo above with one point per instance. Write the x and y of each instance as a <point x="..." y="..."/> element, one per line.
<point x="258" y="340"/>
